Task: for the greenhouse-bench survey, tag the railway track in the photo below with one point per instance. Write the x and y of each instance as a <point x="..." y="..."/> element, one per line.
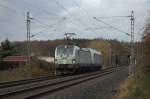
<point x="29" y="80"/>
<point x="24" y="81"/>
<point x="41" y="88"/>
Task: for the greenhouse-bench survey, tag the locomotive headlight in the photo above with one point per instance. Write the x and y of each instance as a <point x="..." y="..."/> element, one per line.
<point x="73" y="61"/>
<point x="55" y="60"/>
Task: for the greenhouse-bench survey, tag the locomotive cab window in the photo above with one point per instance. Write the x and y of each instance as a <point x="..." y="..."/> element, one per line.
<point x="62" y="50"/>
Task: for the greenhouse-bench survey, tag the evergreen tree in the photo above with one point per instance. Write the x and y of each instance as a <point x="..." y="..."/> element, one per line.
<point x="6" y="45"/>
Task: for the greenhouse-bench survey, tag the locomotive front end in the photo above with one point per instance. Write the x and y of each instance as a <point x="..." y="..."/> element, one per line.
<point x="64" y="55"/>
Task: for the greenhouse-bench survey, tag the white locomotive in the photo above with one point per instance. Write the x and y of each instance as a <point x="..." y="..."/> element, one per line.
<point x="73" y="58"/>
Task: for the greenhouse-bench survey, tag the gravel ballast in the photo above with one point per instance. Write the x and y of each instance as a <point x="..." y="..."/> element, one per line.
<point x="100" y="88"/>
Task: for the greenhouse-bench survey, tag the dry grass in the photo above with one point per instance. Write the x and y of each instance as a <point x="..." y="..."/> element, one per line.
<point x="124" y="89"/>
<point x="135" y="88"/>
<point x="26" y="72"/>
<point x="15" y="74"/>
<point x="38" y="71"/>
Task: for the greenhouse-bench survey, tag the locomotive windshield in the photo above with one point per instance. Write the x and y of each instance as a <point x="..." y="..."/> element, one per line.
<point x="64" y="50"/>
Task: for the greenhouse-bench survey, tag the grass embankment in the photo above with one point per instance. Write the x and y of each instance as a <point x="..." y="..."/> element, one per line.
<point x="15" y="74"/>
<point x="135" y="88"/>
<point x="26" y="72"/>
<point x="138" y="86"/>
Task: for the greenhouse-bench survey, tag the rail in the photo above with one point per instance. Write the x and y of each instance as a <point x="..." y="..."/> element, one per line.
<point x="35" y="89"/>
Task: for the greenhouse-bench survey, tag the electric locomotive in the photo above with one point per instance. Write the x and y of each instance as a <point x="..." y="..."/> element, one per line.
<point x="71" y="58"/>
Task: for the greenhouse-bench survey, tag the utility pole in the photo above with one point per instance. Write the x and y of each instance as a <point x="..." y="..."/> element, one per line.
<point x="132" y="51"/>
<point x="110" y="56"/>
<point x="28" y="38"/>
<point x="132" y="57"/>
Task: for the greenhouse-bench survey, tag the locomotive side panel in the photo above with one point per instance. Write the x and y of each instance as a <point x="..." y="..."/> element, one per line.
<point x="85" y="58"/>
<point x="97" y="59"/>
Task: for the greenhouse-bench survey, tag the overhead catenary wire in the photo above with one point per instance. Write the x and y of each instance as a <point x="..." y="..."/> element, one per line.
<point x="35" y="19"/>
<point x="114" y="17"/>
<point x="88" y="16"/>
<point x="48" y="26"/>
<point x="45" y="11"/>
<point x="111" y="26"/>
<point x="12" y="10"/>
<point x="60" y="5"/>
<point x="21" y="14"/>
<point x="77" y="19"/>
<point x="98" y="28"/>
<point x="62" y="19"/>
<point x="40" y="8"/>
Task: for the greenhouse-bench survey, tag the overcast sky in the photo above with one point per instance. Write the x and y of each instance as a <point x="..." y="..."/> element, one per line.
<point x="52" y="18"/>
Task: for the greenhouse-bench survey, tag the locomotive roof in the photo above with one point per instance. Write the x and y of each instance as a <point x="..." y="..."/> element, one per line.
<point x="91" y="50"/>
<point x="85" y="49"/>
<point x="67" y="45"/>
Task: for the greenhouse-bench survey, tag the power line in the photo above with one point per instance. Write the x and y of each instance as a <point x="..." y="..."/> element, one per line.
<point x="114" y="17"/>
<point x="19" y="13"/>
<point x="111" y="26"/>
<point x="44" y="24"/>
<point x="71" y="14"/>
<point x="67" y="11"/>
<point x="86" y="12"/>
<point x="49" y="26"/>
<point x="89" y="16"/>
<point x="12" y="10"/>
<point x="43" y="10"/>
<point x="97" y="28"/>
<point x="46" y="13"/>
<point x="82" y="10"/>
<point x="35" y="19"/>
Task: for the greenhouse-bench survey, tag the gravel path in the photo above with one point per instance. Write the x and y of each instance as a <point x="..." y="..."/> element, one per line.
<point x="100" y="88"/>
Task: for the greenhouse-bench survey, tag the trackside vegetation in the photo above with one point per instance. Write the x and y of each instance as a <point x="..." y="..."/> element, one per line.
<point x="138" y="85"/>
